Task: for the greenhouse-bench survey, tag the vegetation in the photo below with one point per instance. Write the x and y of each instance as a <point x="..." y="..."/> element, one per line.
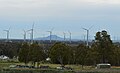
<point x="104" y="46"/>
<point x="24" y="53"/>
<point x="60" y="53"/>
<point x="101" y="50"/>
<point x="31" y="53"/>
<point x="10" y="49"/>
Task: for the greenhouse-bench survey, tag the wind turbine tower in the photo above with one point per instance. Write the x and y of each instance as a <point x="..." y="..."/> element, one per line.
<point x="70" y="36"/>
<point x="7" y="31"/>
<point x="87" y="34"/>
<point x="64" y="36"/>
<point x="50" y="35"/>
<point x="32" y="32"/>
<point x="24" y="35"/>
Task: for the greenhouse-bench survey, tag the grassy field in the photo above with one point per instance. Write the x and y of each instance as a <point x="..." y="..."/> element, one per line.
<point x="5" y="66"/>
<point x="76" y="68"/>
<point x="53" y="66"/>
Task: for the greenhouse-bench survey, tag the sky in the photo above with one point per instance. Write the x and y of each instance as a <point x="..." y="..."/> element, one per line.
<point x="61" y="16"/>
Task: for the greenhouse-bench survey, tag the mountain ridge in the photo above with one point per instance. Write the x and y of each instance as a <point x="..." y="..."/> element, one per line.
<point x="54" y="37"/>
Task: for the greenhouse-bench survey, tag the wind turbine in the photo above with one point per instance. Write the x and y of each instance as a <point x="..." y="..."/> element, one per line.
<point x="7" y="32"/>
<point x="24" y="35"/>
<point x="84" y="38"/>
<point x="56" y="38"/>
<point x="87" y="34"/>
<point x="70" y="35"/>
<point x="64" y="36"/>
<point x="50" y="34"/>
<point x="32" y="32"/>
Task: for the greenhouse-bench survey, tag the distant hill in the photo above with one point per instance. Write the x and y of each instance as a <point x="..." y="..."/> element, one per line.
<point x="53" y="37"/>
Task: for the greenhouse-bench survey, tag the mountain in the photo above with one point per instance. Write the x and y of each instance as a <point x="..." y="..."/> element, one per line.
<point x="53" y="37"/>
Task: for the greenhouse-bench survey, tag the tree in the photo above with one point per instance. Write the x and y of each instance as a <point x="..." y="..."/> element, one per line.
<point x="24" y="53"/>
<point x="115" y="57"/>
<point x="36" y="53"/>
<point x="104" y="46"/>
<point x="9" y="49"/>
<point x="60" y="53"/>
<point x="80" y="54"/>
<point x="93" y="55"/>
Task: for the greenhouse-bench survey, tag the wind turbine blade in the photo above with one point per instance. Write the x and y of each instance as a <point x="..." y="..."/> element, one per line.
<point x="48" y="31"/>
<point x="28" y="30"/>
<point x="69" y="32"/>
<point x="91" y="27"/>
<point x="84" y="28"/>
<point x="5" y="30"/>
<point x="24" y="30"/>
<point x="33" y="25"/>
<point x="52" y="29"/>
<point x="9" y="29"/>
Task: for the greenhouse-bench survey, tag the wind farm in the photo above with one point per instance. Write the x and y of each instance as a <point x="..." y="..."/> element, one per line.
<point x="59" y="36"/>
<point x="67" y="37"/>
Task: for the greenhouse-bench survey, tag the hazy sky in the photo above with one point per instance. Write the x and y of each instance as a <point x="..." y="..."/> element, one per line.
<point x="62" y="15"/>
